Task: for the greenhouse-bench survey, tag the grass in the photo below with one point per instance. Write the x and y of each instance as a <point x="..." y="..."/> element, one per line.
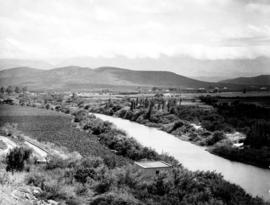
<point x="54" y="127"/>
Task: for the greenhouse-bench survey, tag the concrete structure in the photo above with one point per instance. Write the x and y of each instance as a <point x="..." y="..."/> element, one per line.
<point x="151" y="168"/>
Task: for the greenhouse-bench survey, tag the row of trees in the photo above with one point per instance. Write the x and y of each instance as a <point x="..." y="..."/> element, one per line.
<point x="159" y="103"/>
<point x="12" y="89"/>
<point x="259" y="134"/>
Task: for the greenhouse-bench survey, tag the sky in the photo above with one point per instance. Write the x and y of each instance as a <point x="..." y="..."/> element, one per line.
<point x="134" y="29"/>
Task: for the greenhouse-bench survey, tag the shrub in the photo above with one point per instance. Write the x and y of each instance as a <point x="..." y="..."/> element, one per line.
<point x="114" y="199"/>
<point x="216" y="137"/>
<point x="82" y="174"/>
<point x="2" y="145"/>
<point x="96" y="126"/>
<point x="110" y="161"/>
<point x="56" y="162"/>
<point x="127" y="176"/>
<point x="4" y="178"/>
<point x="92" y="162"/>
<point x="10" y="129"/>
<point x="53" y="190"/>
<point x="80" y="115"/>
<point x="104" y="185"/>
<point x="47" y="106"/>
<point x="36" y="179"/>
<point x="16" y="158"/>
<point x="160" y="186"/>
<point x="74" y="201"/>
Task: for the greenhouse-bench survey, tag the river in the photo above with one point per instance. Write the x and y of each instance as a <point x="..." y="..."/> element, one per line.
<point x="254" y="180"/>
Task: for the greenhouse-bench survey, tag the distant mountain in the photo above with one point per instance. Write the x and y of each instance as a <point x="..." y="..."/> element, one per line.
<point x="12" y="63"/>
<point x="203" y="69"/>
<point x="257" y="80"/>
<point x="82" y="77"/>
<point x="212" y="70"/>
<point x="75" y="77"/>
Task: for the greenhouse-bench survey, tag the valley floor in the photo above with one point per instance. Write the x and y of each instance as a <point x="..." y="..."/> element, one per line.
<point x="105" y="174"/>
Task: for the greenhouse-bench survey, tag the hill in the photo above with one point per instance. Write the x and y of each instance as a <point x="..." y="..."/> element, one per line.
<point x="257" y="80"/>
<point x="203" y="69"/>
<point x="83" y="77"/>
<point x="6" y="63"/>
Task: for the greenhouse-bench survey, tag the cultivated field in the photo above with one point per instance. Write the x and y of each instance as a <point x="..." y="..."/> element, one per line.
<point x="51" y="126"/>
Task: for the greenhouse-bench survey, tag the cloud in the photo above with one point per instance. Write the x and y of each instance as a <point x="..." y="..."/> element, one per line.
<point x="205" y="29"/>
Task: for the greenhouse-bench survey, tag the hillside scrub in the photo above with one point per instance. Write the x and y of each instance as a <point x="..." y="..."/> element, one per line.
<point x="117" y="140"/>
<point x="90" y="181"/>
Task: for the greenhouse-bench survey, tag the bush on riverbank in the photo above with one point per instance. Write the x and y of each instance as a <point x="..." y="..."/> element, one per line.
<point x="223" y="119"/>
<point x="117" y="141"/>
<point x="258" y="157"/>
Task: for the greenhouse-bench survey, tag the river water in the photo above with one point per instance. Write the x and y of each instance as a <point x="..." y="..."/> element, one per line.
<point x="254" y="180"/>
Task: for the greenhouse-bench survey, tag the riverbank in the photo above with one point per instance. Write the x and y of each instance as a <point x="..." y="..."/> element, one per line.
<point x="253" y="179"/>
<point x="196" y="125"/>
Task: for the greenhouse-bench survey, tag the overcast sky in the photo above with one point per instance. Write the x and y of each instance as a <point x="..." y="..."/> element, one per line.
<point x="204" y="29"/>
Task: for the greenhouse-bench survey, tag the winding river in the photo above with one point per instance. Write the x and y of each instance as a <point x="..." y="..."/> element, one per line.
<point x="254" y="180"/>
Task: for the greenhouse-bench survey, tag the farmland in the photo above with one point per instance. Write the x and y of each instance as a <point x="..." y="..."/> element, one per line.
<point x="53" y="127"/>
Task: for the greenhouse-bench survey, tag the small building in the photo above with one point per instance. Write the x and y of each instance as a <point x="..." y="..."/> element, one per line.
<point x="151" y="168"/>
<point x="167" y="95"/>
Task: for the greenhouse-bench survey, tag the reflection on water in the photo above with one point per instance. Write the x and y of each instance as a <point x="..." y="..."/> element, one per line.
<point x="254" y="180"/>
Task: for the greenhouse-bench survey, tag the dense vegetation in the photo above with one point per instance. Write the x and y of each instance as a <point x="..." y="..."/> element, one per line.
<point x="91" y="181"/>
<point x="172" y="117"/>
<point x="254" y="121"/>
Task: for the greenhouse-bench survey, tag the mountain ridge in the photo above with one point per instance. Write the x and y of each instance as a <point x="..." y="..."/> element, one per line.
<point x="59" y="77"/>
<point x="213" y="70"/>
<point x="255" y="80"/>
<point x="85" y="77"/>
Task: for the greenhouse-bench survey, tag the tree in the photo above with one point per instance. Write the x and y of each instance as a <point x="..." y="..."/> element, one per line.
<point x="47" y="106"/>
<point x="2" y="90"/>
<point x="16" y="158"/>
<point x="17" y="89"/>
<point x="146" y="103"/>
<point x="9" y="89"/>
<point x="132" y="105"/>
<point x="217" y="136"/>
<point x="137" y="102"/>
<point x="259" y="134"/>
<point x="149" y="112"/>
<point x="159" y="186"/>
<point x="24" y="89"/>
<point x="81" y="104"/>
<point x="74" y="96"/>
<point x="80" y="115"/>
<point x="82" y="174"/>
